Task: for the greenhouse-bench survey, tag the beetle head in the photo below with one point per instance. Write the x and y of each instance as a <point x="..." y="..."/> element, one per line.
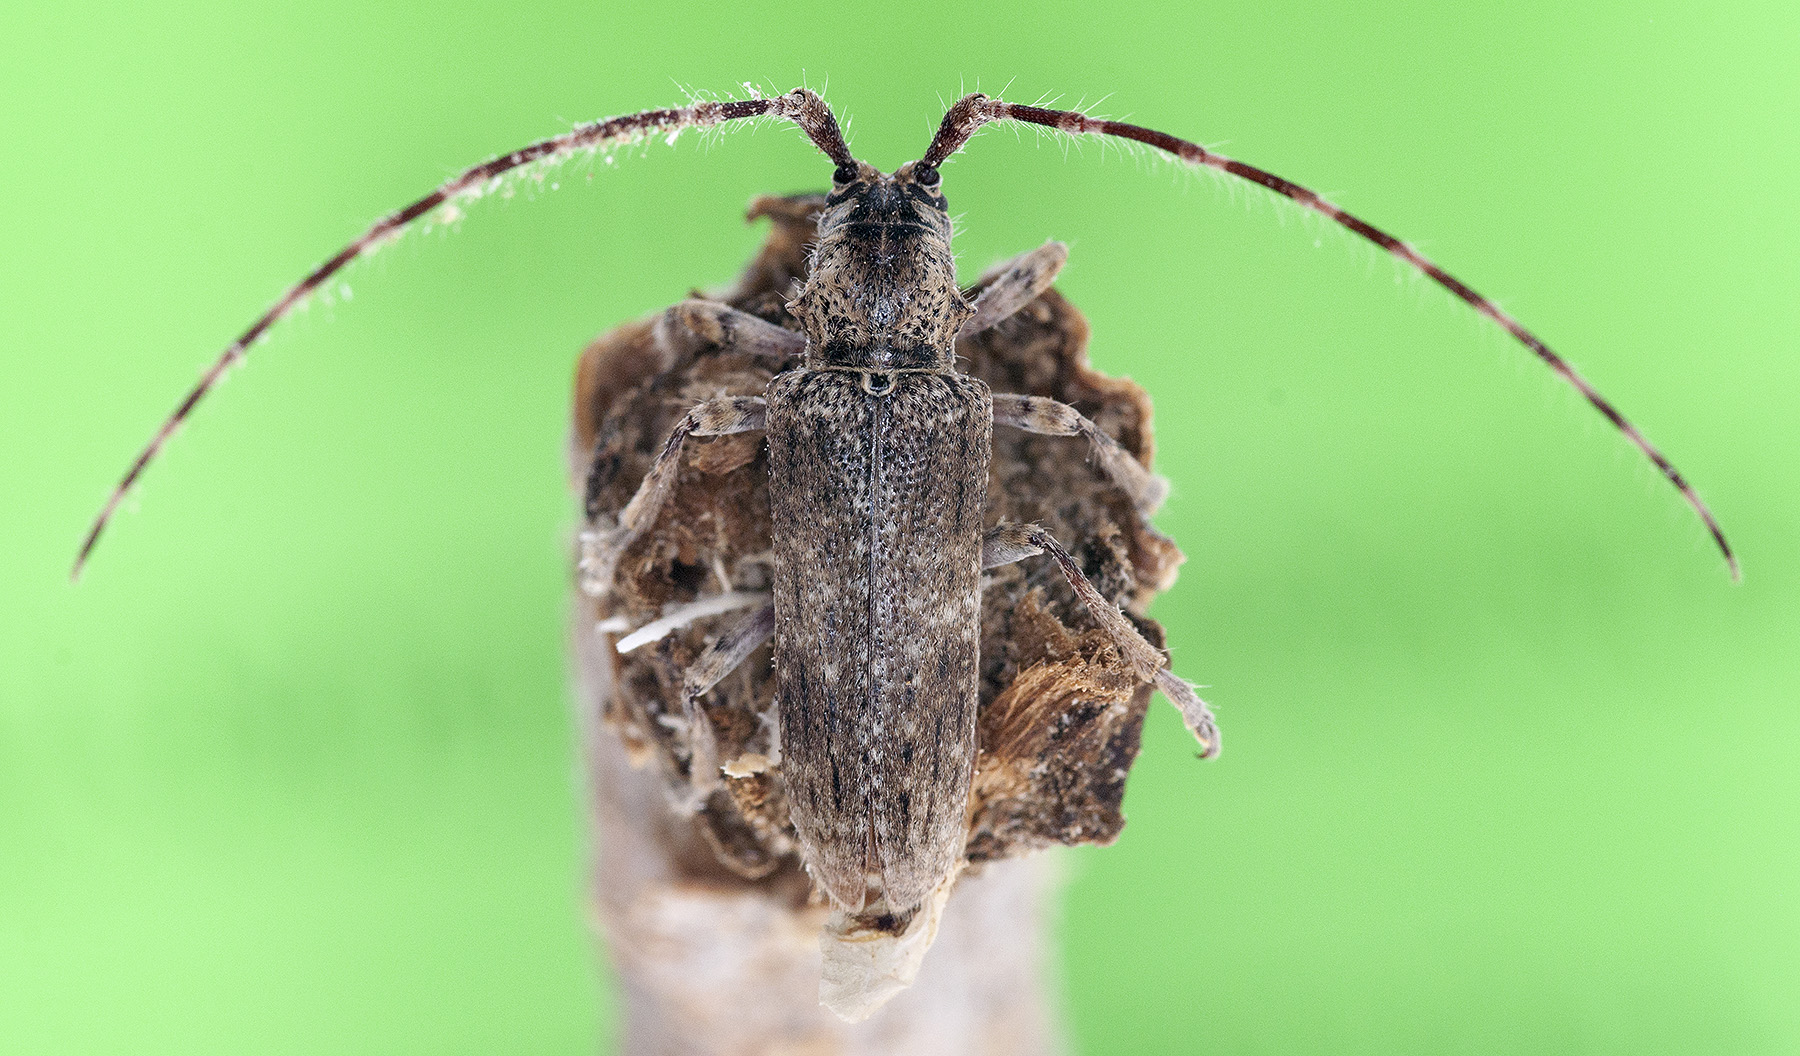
<point x="882" y="293"/>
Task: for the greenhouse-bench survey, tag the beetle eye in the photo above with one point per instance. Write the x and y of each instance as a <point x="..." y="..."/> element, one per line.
<point x="927" y="176"/>
<point x="844" y="174"/>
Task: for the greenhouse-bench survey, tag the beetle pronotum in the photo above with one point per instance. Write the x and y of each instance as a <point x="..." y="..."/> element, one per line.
<point x="878" y="455"/>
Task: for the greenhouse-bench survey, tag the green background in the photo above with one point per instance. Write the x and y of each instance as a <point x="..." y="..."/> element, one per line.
<point x="1510" y="763"/>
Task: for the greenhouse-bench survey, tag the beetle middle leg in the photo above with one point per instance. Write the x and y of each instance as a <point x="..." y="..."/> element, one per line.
<point x="725" y="416"/>
<point x="1009" y="542"/>
<point x="730" y="330"/>
<point x="1046" y="417"/>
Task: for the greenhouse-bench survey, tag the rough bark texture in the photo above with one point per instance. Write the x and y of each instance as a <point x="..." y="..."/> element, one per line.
<point x="711" y="920"/>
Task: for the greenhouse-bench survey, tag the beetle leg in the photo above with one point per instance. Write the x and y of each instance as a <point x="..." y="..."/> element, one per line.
<point x="732" y="648"/>
<point x="678" y="616"/>
<point x="1010" y="542"/>
<point x="721" y="658"/>
<point x="730" y="330"/>
<point x="1046" y="417"/>
<point x="1020" y="281"/>
<point x="724" y="416"/>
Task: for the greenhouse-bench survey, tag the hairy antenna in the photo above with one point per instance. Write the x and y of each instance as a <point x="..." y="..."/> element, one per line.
<point x="972" y="111"/>
<point x="800" y="106"/>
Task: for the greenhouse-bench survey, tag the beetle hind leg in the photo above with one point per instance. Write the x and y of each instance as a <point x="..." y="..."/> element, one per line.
<point x="1009" y="542"/>
<point x="726" y="654"/>
<point x="1047" y="417"/>
<point x="721" y="658"/>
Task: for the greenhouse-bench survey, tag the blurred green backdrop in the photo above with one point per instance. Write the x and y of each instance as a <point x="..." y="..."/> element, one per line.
<point x="1511" y="763"/>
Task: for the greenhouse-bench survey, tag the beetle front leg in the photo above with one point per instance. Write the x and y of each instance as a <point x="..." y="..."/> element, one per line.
<point x="730" y="330"/>
<point x="1010" y="542"/>
<point x="724" y="416"/>
<point x="1019" y="282"/>
<point x="1046" y="417"/>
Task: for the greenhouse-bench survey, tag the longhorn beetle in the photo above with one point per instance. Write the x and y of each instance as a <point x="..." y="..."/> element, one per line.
<point x="878" y="468"/>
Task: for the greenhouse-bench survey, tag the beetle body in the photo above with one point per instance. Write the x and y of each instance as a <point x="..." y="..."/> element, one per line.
<point x="879" y="452"/>
<point x="878" y="462"/>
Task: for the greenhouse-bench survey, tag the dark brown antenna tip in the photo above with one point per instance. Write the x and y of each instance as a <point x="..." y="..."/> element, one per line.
<point x="969" y="113"/>
<point x="801" y="106"/>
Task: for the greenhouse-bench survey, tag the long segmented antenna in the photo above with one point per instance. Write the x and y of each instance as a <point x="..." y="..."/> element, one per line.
<point x="972" y="111"/>
<point x="800" y="106"/>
